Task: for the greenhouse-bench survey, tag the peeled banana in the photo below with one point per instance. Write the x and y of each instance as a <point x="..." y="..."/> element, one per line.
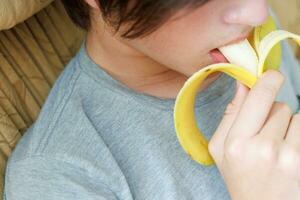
<point x="260" y="52"/>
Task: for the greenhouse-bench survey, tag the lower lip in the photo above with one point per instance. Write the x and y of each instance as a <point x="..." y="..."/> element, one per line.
<point x="217" y="56"/>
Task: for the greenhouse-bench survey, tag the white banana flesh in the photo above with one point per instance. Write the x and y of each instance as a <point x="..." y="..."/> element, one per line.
<point x="241" y="54"/>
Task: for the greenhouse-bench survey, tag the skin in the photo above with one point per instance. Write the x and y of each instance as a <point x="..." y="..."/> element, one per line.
<point x="160" y="63"/>
<point x="256" y="145"/>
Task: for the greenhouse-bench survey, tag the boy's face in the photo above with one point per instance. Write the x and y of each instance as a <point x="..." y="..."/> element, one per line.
<point x="184" y="44"/>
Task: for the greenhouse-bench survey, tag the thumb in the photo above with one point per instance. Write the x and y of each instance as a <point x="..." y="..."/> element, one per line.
<point x="216" y="144"/>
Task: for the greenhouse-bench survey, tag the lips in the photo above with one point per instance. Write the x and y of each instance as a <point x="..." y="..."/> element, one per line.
<point x="238" y="39"/>
<point x="218" y="57"/>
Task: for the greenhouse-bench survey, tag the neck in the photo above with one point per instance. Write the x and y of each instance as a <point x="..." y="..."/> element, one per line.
<point x="134" y="69"/>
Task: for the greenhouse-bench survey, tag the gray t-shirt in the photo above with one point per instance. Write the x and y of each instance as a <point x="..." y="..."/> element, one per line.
<point x="97" y="139"/>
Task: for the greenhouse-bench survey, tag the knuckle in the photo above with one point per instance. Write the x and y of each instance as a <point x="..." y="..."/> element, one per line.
<point x="289" y="159"/>
<point x="268" y="149"/>
<point x="233" y="149"/>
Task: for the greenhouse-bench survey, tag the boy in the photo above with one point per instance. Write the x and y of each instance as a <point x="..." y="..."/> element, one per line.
<point x="106" y="130"/>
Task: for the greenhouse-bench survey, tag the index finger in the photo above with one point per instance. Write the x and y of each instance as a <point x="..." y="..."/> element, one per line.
<point x="257" y="105"/>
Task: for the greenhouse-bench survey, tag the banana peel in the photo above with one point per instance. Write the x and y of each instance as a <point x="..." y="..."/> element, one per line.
<point x="265" y="40"/>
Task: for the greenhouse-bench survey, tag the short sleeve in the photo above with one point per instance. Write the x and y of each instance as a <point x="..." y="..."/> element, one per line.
<point x="42" y="178"/>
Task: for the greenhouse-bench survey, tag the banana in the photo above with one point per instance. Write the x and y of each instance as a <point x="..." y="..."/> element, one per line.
<point x="264" y="53"/>
<point x="248" y="59"/>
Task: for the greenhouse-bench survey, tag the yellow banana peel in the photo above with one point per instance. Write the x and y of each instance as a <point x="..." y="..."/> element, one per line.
<point x="265" y="40"/>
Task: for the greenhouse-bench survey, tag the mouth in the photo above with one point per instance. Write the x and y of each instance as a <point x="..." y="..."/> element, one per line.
<point x="216" y="54"/>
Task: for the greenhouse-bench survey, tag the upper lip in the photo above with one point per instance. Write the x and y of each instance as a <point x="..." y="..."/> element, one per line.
<point x="238" y="39"/>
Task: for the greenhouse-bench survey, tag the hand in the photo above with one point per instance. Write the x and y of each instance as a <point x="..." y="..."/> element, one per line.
<point x="257" y="144"/>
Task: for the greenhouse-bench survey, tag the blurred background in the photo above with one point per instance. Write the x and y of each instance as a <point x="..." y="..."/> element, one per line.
<point x="288" y="13"/>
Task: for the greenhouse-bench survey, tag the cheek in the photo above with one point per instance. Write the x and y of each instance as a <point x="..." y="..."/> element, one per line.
<point x="174" y="48"/>
<point x="182" y="45"/>
<point x="177" y="52"/>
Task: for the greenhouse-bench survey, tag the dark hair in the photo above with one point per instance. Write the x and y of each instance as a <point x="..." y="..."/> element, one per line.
<point x="144" y="16"/>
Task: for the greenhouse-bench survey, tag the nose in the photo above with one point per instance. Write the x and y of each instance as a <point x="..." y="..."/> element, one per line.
<point x="246" y="12"/>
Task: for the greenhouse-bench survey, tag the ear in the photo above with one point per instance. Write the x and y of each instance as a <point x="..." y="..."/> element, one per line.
<point x="92" y="3"/>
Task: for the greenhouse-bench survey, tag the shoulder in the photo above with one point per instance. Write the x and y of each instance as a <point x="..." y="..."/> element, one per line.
<point x="63" y="127"/>
<point x="45" y="177"/>
<point x="62" y="148"/>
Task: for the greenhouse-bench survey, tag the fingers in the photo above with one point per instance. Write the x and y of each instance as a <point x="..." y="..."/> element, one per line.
<point x="293" y="134"/>
<point x="217" y="141"/>
<point x="257" y="106"/>
<point x="289" y="157"/>
<point x="277" y="123"/>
